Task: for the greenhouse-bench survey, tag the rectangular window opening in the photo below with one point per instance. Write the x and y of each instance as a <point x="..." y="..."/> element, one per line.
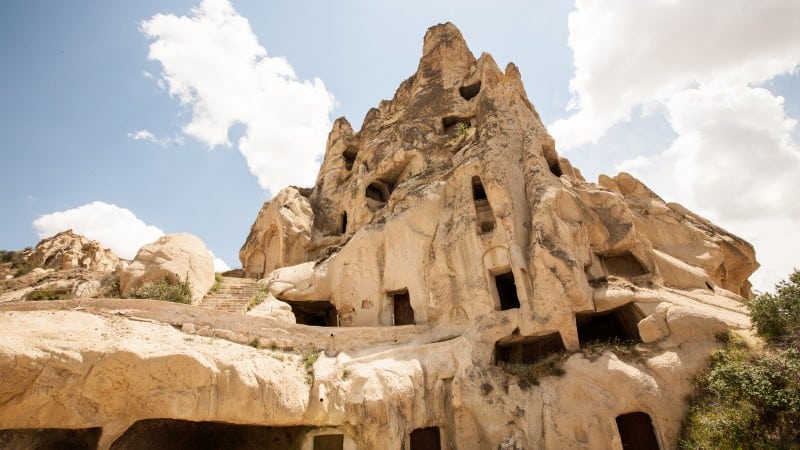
<point x="329" y="442"/>
<point x="403" y="312"/>
<point x="617" y="325"/>
<point x="426" y="439"/>
<point x="517" y="349"/>
<point x="507" y="290"/>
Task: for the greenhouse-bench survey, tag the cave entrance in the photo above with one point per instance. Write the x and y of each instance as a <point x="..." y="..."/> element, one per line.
<point x="483" y="210"/>
<point x="506" y="290"/>
<point x="616" y="325"/>
<point x="377" y="194"/>
<point x="469" y="91"/>
<point x="623" y="264"/>
<point x="349" y="156"/>
<point x="170" y="434"/>
<point x="403" y="312"/>
<point x="636" y="431"/>
<point x="516" y="349"/>
<point x="426" y="439"/>
<point x="329" y="442"/>
<point x="318" y="313"/>
<point x="50" y="438"/>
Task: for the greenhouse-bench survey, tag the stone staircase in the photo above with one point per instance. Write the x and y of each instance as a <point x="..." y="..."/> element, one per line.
<point x="233" y="295"/>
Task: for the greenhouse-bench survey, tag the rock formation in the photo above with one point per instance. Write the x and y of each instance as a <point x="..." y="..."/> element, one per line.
<point x="176" y="257"/>
<point x="67" y="250"/>
<point x="62" y="266"/>
<point x="454" y="282"/>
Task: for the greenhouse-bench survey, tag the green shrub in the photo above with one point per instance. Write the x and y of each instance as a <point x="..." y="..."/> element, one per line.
<point x="528" y="375"/>
<point x="776" y="317"/>
<point x="51" y="294"/>
<point x="750" y="399"/>
<point x="24" y="268"/>
<point x="109" y="286"/>
<point x="165" y="290"/>
<point x="10" y="256"/>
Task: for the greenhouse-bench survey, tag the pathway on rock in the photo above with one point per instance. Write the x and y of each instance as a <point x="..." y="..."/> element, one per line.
<point x="233" y="295"/>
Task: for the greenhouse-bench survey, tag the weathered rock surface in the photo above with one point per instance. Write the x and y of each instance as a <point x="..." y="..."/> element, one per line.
<point x="67" y="250"/>
<point x="454" y="282"/>
<point x="62" y="266"/>
<point x="279" y="236"/>
<point x="176" y="257"/>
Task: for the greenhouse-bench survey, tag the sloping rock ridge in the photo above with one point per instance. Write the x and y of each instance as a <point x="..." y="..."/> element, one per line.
<point x="449" y="282"/>
<point x="65" y="265"/>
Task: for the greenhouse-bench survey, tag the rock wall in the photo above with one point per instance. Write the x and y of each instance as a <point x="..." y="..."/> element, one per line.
<point x="454" y="282"/>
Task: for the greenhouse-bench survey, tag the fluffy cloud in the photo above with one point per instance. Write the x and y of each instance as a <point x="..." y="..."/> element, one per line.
<point x="219" y="264"/>
<point x="213" y="63"/>
<point x="631" y="54"/>
<point x="114" y="227"/>
<point x="734" y="161"/>
<point x="703" y="64"/>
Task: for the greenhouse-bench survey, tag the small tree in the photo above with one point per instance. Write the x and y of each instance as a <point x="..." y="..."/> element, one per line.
<point x="776" y="317"/>
<point x="748" y="399"/>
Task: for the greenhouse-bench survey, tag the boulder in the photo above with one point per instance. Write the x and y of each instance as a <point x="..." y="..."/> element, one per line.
<point x="68" y="250"/>
<point x="280" y="234"/>
<point x="175" y="257"/>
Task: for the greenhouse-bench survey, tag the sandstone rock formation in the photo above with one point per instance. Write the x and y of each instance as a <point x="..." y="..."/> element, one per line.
<point x="454" y="282"/>
<point x="176" y="257"/>
<point x="62" y="266"/>
<point x="280" y="235"/>
<point x="67" y="250"/>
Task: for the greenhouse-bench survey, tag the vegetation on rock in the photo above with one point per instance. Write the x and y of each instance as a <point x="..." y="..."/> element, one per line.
<point x="165" y="290"/>
<point x="749" y="398"/>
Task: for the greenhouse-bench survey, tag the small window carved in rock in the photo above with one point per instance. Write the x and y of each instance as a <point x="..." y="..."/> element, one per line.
<point x="636" y="431"/>
<point x="426" y="439"/>
<point x="349" y="156"/>
<point x="315" y="313"/>
<point x="478" y="193"/>
<point x="516" y="349"/>
<point x="551" y="157"/>
<point x="470" y="91"/>
<point x="343" y="228"/>
<point x="623" y="265"/>
<point x="329" y="442"/>
<point x="456" y="124"/>
<point x="616" y="325"/>
<point x="506" y="290"/>
<point x="483" y="210"/>
<point x="401" y="304"/>
<point x="377" y="194"/>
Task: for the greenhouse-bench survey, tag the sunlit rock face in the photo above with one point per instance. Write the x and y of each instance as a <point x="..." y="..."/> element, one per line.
<point x="453" y="284"/>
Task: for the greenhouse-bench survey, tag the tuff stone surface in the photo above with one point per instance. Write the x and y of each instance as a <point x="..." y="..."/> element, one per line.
<point x="176" y="257"/>
<point x="450" y="213"/>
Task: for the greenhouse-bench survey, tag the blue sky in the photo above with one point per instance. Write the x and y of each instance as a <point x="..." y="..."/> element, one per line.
<point x="187" y="116"/>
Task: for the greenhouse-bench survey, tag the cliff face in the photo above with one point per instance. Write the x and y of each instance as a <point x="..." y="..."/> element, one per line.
<point x="454" y="282"/>
<point x="455" y="182"/>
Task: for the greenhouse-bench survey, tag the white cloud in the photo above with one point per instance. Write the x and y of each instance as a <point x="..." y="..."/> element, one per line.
<point x="734" y="161"/>
<point x="146" y="135"/>
<point x="704" y="65"/>
<point x="114" y="227"/>
<point x="219" y="264"/>
<point x="630" y="54"/>
<point x="215" y="65"/>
